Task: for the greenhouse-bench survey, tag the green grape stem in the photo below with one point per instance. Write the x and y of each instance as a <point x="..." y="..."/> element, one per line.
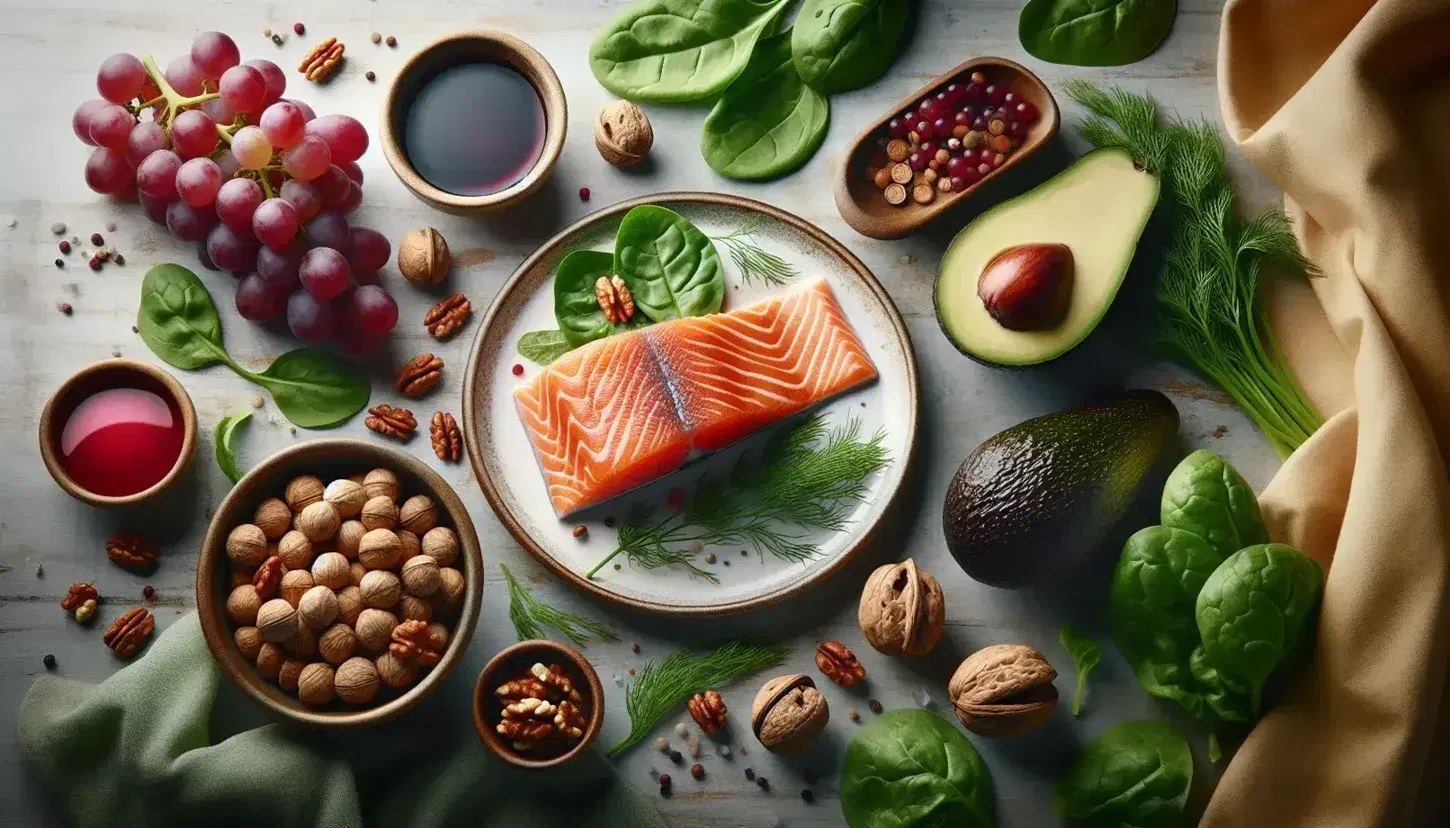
<point x="175" y="101"/>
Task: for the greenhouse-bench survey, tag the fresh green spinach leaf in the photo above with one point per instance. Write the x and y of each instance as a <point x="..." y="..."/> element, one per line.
<point x="1085" y="654"/>
<point x="1094" y="32"/>
<point x="543" y="347"/>
<point x="671" y="268"/>
<point x="177" y="319"/>
<point x="1207" y="496"/>
<point x="575" y="305"/>
<point x="840" y="45"/>
<point x="1136" y="775"/>
<point x="313" y="388"/>
<point x="912" y="769"/>
<point x="226" y="454"/>
<point x="768" y="122"/>
<point x="1225" y="695"/>
<point x="1253" y="609"/>
<point x="673" y="51"/>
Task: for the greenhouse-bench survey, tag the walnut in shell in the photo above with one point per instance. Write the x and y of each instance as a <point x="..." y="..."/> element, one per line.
<point x="379" y="549"/>
<point x="295" y="550"/>
<point x="356" y="681"/>
<point x="302" y="492"/>
<point x="381" y="483"/>
<point x="418" y="514"/>
<point x="1003" y="691"/>
<point x="622" y="134"/>
<point x="318" y="607"/>
<point x="349" y="535"/>
<point x="379" y="512"/>
<point x="412" y="547"/>
<point x="318" y="521"/>
<point x="349" y="605"/>
<point x="395" y="672"/>
<point x="295" y="584"/>
<point x="247" y="545"/>
<point x="788" y="713"/>
<point x="290" y="672"/>
<point x="902" y="609"/>
<point x="314" y="685"/>
<point x="331" y="570"/>
<point x="337" y="643"/>
<point x="242" y="605"/>
<point x="249" y="642"/>
<point x="449" y="597"/>
<point x="347" y="496"/>
<point x="380" y="589"/>
<point x="269" y="660"/>
<point x="277" y="621"/>
<point x="423" y="257"/>
<point x="375" y="629"/>
<point x="273" y="518"/>
<point x="302" y="643"/>
<point x="421" y="576"/>
<point x="413" y="608"/>
<point x="441" y="544"/>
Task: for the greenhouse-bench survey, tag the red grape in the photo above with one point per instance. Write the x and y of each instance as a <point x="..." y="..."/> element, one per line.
<point x="193" y="134"/>
<point x="156" y="176"/>
<point x="309" y="159"/>
<point x="996" y="93"/>
<point x="309" y="319"/>
<point x="228" y="164"/>
<point x="81" y="120"/>
<point x="230" y="250"/>
<point x="307" y="113"/>
<point x="353" y="200"/>
<point x="242" y="89"/>
<point x="332" y="186"/>
<point x="183" y="76"/>
<point x="353" y="171"/>
<point x="155" y="208"/>
<point x="303" y="196"/>
<point x="236" y="201"/>
<point x="256" y="300"/>
<point x="120" y="78"/>
<point x="107" y="171"/>
<point x="275" y="79"/>
<point x="279" y="267"/>
<point x="189" y="223"/>
<point x="369" y="250"/>
<point x="275" y="223"/>
<point x="324" y="273"/>
<point x="282" y="124"/>
<point x="218" y="111"/>
<point x="250" y="148"/>
<point x="957" y="167"/>
<point x="213" y="53"/>
<point x="328" y="229"/>
<point x="357" y="344"/>
<point x="146" y="137"/>
<point x="111" y="126"/>
<point x="371" y="310"/>
<point x="198" y="181"/>
<point x="1024" y="112"/>
<point x="345" y="136"/>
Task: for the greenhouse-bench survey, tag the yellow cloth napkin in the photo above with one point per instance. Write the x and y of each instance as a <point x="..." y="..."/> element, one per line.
<point x="1346" y="104"/>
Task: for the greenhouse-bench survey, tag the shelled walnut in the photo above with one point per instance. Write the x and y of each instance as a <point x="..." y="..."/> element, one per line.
<point x="541" y="712"/>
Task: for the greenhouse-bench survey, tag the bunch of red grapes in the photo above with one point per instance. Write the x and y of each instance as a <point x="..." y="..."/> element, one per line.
<point x="214" y="152"/>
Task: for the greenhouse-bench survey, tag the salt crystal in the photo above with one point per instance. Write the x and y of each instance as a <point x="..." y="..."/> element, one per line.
<point x="654" y="774"/>
<point x="921" y="697"/>
<point x="618" y="680"/>
<point x="682" y="730"/>
<point x="724" y="751"/>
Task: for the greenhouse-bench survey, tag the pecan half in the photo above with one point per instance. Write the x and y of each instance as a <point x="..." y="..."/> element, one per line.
<point x="530" y="708"/>
<point x="524" y="733"/>
<point x="419" y="375"/>
<point x="569" y="720"/>
<point x="836" y="661"/>
<point x="448" y="316"/>
<point x="523" y="687"/>
<point x="391" y="422"/>
<point x="78" y="594"/>
<point x="131" y="551"/>
<point x="558" y="683"/>
<point x="447" y="439"/>
<point x="323" y="60"/>
<point x="614" y="299"/>
<point x="708" y="711"/>
<point x="268" y="577"/>
<point x="413" y="644"/>
<point x="130" y="631"/>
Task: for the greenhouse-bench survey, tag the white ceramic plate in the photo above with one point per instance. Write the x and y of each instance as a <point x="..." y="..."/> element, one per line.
<point x="504" y="462"/>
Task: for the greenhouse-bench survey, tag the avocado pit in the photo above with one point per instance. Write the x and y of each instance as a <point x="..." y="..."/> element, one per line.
<point x="1028" y="287"/>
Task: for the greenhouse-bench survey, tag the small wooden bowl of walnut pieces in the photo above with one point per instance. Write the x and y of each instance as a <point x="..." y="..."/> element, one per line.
<point x="319" y="618"/>
<point x="538" y="704"/>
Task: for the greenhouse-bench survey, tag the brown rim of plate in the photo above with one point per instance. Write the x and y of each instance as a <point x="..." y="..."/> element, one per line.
<point x="525" y="651"/>
<point x="273" y="473"/>
<point x="472" y="422"/>
<point x="504" y="48"/>
<point x="92" y="375"/>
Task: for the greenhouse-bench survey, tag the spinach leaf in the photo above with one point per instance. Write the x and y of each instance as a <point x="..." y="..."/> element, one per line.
<point x="575" y="306"/>
<point x="1094" y="32"/>
<point x="1206" y="496"/>
<point x="1085" y="654"/>
<point x="671" y="268"/>
<point x="1136" y="775"/>
<point x="177" y="319"/>
<point x="673" y="51"/>
<point x="1253" y="609"/>
<point x="768" y="122"/>
<point x="226" y="455"/>
<point x="543" y="347"/>
<point x="911" y="769"/>
<point x="1225" y="696"/>
<point x="840" y="45"/>
<point x="313" y="388"/>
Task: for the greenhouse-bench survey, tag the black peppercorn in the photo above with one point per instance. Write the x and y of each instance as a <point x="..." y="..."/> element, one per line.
<point x="118" y="259"/>
<point x="370" y="76"/>
<point x="677" y="757"/>
<point x="750" y="774"/>
<point x="59" y="263"/>
<point x="49" y="661"/>
<point x="763" y="783"/>
<point x="807" y="795"/>
<point x="874" y="705"/>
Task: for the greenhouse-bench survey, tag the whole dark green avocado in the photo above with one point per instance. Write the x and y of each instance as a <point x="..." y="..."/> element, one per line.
<point x="1033" y="502"/>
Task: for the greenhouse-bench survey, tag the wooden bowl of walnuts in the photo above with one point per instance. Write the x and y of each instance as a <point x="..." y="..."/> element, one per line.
<point x="339" y="583"/>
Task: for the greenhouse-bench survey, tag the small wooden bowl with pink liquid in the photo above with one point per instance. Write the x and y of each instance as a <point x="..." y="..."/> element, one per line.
<point x="118" y="433"/>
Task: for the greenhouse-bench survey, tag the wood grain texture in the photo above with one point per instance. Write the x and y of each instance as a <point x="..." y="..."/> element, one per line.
<point x="48" y="55"/>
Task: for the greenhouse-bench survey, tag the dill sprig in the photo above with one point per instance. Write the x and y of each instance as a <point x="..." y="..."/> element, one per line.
<point x="658" y="690"/>
<point x="811" y="479"/>
<point x="752" y="260"/>
<point x="1212" y="315"/>
<point x="531" y="616"/>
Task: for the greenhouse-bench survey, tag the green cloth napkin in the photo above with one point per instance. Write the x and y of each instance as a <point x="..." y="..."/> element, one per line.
<point x="158" y="745"/>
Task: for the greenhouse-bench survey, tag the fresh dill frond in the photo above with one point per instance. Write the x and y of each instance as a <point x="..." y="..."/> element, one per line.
<point x="531" y="616"/>
<point x="753" y="261"/>
<point x="659" y="689"/>
<point x="810" y="479"/>
<point x="1212" y="315"/>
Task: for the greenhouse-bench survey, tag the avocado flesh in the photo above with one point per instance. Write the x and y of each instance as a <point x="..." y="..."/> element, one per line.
<point x="1033" y="503"/>
<point x="1098" y="208"/>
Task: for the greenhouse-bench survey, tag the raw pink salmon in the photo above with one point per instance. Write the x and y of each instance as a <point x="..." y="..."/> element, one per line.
<point x="623" y="411"/>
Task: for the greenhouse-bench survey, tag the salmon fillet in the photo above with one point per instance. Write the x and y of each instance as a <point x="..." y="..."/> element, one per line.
<point x="628" y="409"/>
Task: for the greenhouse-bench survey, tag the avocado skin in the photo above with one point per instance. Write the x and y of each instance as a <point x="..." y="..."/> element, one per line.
<point x="1031" y="503"/>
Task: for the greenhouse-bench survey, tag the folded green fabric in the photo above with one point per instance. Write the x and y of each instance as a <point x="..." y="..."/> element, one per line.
<point x="161" y="744"/>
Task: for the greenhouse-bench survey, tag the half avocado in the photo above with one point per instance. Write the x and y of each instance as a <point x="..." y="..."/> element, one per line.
<point x="1030" y="278"/>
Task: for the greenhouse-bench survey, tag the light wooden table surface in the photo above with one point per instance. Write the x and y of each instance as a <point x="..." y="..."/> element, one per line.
<point x="48" y="56"/>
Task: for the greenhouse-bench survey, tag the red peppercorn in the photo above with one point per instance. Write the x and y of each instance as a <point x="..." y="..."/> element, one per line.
<point x="149" y="592"/>
<point x="697" y="770"/>
<point x="95" y="263"/>
<point x="65" y="247"/>
<point x="96" y="240"/>
<point x="298" y="28"/>
<point x="583" y="193"/>
<point x="66" y="309"/>
<point x="518" y="370"/>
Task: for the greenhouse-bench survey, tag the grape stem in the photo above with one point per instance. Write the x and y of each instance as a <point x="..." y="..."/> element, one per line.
<point x="175" y="101"/>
